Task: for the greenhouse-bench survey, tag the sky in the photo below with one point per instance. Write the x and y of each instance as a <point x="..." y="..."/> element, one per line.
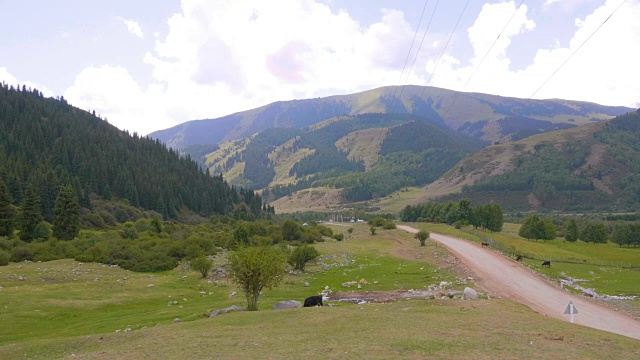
<point x="147" y="65"/>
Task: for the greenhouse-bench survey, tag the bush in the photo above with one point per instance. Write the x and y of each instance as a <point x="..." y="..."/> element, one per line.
<point x="202" y="264"/>
<point x="388" y="225"/>
<point x="4" y="258"/>
<point x="302" y="255"/>
<point x="338" y="237"/>
<point x="422" y="236"/>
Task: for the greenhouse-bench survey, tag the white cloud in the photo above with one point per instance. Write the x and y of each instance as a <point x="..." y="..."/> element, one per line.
<point x="220" y="57"/>
<point x="133" y="27"/>
<point x="598" y="72"/>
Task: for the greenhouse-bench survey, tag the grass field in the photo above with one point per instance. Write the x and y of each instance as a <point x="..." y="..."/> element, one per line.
<point x="60" y="308"/>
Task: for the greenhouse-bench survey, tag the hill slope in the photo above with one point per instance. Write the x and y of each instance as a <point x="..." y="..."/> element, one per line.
<point x="46" y="143"/>
<point x="487" y="117"/>
<point x="367" y="155"/>
<point x="593" y="167"/>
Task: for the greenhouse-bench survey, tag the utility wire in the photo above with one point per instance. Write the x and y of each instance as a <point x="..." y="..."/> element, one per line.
<point x="445" y="48"/>
<point x="417" y="53"/>
<point x="575" y="51"/>
<point x="481" y="61"/>
<point x="408" y="54"/>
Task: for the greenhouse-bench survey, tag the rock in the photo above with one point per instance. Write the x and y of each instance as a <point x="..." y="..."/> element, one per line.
<point x="226" y="310"/>
<point x="469" y="294"/>
<point x="306" y="284"/>
<point x="21" y="278"/>
<point x="176" y="320"/>
<point x="287" y="304"/>
<point x="117" y="331"/>
<point x="150" y="285"/>
<point x="232" y="294"/>
<point x="127" y="329"/>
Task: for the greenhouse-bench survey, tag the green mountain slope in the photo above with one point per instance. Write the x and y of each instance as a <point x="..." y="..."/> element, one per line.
<point x="49" y="143"/>
<point x="368" y="156"/>
<point x="594" y="167"/>
<point x="486" y="117"/>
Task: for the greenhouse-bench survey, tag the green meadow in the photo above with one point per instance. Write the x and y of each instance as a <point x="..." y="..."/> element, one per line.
<point x="67" y="309"/>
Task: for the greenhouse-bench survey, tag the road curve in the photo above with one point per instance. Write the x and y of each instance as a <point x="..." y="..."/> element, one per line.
<point x="514" y="281"/>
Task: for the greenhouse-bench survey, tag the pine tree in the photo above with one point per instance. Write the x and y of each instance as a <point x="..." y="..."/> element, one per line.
<point x="66" y="214"/>
<point x="571" y="233"/>
<point x="30" y="216"/>
<point x="7" y="213"/>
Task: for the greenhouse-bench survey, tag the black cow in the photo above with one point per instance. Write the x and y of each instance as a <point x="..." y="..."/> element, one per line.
<point x="485" y="244"/>
<point x="519" y="258"/>
<point x="313" y="301"/>
<point x="546" y="263"/>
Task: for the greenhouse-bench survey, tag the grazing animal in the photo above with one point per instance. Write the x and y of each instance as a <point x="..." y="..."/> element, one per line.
<point x="546" y="263"/>
<point x="519" y="258"/>
<point x="313" y="301"/>
<point x="485" y="244"/>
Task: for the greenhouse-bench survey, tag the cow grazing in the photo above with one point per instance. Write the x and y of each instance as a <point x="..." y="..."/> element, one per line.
<point x="519" y="258"/>
<point x="546" y="263"/>
<point x="313" y="301"/>
<point x="485" y="244"/>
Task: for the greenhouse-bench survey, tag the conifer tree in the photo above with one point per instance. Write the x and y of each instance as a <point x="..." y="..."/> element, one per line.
<point x="30" y="216"/>
<point x="571" y="233"/>
<point x="66" y="214"/>
<point x="7" y="216"/>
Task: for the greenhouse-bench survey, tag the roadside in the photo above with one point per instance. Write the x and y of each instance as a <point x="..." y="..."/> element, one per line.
<point x="513" y="281"/>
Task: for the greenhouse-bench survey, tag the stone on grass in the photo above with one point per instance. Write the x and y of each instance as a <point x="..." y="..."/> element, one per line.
<point x="287" y="304"/>
<point x="176" y="320"/>
<point x="226" y="310"/>
<point x="469" y="294"/>
<point x="306" y="284"/>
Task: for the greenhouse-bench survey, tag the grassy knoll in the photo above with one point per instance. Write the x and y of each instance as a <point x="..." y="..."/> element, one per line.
<point x="59" y="308"/>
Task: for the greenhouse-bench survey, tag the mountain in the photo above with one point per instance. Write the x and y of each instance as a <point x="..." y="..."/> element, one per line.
<point x="593" y="167"/>
<point x="486" y="117"/>
<point x="47" y="143"/>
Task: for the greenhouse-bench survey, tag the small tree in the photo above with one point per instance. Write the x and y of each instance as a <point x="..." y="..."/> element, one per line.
<point x="202" y="264"/>
<point x="30" y="215"/>
<point x="7" y="212"/>
<point x="373" y="230"/>
<point x="255" y="268"/>
<point x="66" y="214"/>
<point x="303" y="255"/>
<point x="571" y="233"/>
<point x="422" y="235"/>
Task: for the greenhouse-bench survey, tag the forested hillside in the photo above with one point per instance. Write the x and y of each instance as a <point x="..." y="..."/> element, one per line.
<point x="46" y="143"/>
<point x="592" y="168"/>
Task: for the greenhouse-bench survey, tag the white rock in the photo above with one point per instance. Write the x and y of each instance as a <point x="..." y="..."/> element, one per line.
<point x="150" y="285"/>
<point x="469" y="294"/>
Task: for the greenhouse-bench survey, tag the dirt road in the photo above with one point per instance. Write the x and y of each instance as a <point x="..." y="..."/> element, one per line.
<point x="516" y="282"/>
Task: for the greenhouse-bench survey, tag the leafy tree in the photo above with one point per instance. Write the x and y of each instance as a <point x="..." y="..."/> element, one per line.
<point x="7" y="212"/>
<point x="202" y="264"/>
<point x="536" y="228"/>
<point x="256" y="268"/>
<point x="291" y="230"/>
<point x="30" y="216"/>
<point x="422" y="235"/>
<point x="594" y="232"/>
<point x="571" y="232"/>
<point x="4" y="258"/>
<point x="66" y="214"/>
<point x="373" y="230"/>
<point x="302" y="255"/>
<point x="621" y="234"/>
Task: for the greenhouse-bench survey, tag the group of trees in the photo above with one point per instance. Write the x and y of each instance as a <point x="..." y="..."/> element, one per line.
<point x="489" y="216"/>
<point x="46" y="144"/>
<point x="29" y="220"/>
<point x="590" y="231"/>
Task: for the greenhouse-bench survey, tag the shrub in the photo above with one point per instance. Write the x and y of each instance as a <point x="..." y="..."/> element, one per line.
<point x="302" y="255"/>
<point x="4" y="258"/>
<point x="202" y="264"/>
<point x="388" y="225"/>
<point x="338" y="237"/>
<point x="422" y="236"/>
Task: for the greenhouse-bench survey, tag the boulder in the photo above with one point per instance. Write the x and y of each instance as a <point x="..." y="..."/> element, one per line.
<point x="287" y="304"/>
<point x="469" y="294"/>
<point x="226" y="310"/>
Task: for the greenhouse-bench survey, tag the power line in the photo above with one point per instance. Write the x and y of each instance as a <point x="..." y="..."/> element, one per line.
<point x="575" y="51"/>
<point x="408" y="54"/>
<point x="417" y="53"/>
<point x="445" y="48"/>
<point x="455" y="98"/>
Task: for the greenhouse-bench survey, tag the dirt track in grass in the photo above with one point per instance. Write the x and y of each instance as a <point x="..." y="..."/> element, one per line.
<point x="514" y="281"/>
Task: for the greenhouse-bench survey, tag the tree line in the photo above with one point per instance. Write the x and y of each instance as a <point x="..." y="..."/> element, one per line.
<point x="488" y="216"/>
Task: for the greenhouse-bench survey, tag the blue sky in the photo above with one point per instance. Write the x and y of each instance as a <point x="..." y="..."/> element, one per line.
<point x="147" y="65"/>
